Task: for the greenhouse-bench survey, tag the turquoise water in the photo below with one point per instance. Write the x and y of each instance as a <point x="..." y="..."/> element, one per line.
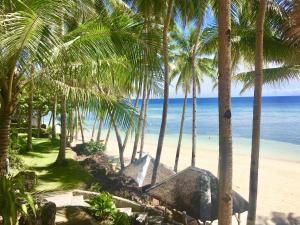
<point x="280" y="128"/>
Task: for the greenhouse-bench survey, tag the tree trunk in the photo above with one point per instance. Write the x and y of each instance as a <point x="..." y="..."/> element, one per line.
<point x="141" y="117"/>
<point x="194" y="74"/>
<point x="80" y="125"/>
<point x="166" y="90"/>
<point x="71" y="126"/>
<point x="63" y="132"/>
<point x="50" y="120"/>
<point x="144" y="123"/>
<point x="256" y="113"/>
<point x="120" y="146"/>
<point x="53" y="132"/>
<point x="29" y="118"/>
<point x="131" y="119"/>
<point x="39" y="124"/>
<point x="107" y="135"/>
<point x="5" y="120"/>
<point x="225" y="136"/>
<point x="93" y="130"/>
<point x="180" y="131"/>
<point x="99" y="130"/>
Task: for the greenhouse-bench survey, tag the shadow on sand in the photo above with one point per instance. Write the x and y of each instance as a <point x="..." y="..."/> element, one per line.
<point x="278" y="218"/>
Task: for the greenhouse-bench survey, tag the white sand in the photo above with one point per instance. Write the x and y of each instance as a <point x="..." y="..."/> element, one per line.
<point x="279" y="180"/>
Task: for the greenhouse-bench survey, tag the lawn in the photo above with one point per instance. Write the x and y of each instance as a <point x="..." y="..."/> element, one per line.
<point x="52" y="177"/>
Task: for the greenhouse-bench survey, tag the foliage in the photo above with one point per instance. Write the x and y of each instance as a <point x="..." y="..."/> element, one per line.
<point x="120" y="218"/>
<point x="89" y="148"/>
<point x="13" y="201"/>
<point x="17" y="145"/>
<point x="102" y="206"/>
<point x="95" y="146"/>
<point x="96" y="187"/>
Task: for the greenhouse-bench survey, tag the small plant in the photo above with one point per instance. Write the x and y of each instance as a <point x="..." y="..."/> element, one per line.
<point x="102" y="206"/>
<point x="13" y="201"/>
<point x="95" y="146"/>
<point x="120" y="218"/>
<point x="89" y="148"/>
<point x="96" y="187"/>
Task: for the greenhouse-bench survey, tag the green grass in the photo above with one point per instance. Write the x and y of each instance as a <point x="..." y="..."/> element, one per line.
<point x="52" y="177"/>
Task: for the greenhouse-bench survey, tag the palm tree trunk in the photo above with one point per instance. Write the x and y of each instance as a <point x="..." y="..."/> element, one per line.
<point x="53" y="132"/>
<point x="71" y="126"/>
<point x="166" y="90"/>
<point x="108" y="134"/>
<point x="194" y="124"/>
<point x="5" y="121"/>
<point x="99" y="130"/>
<point x="50" y="120"/>
<point x="29" y="130"/>
<point x="63" y="132"/>
<point x="144" y="123"/>
<point x="39" y="124"/>
<point x="256" y="113"/>
<point x="93" y="130"/>
<point x="225" y="135"/>
<point x="120" y="146"/>
<point x="80" y="125"/>
<point x="138" y="132"/>
<point x="131" y="119"/>
<point x="180" y="131"/>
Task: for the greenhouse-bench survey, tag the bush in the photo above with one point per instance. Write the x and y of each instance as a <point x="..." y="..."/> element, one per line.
<point x="13" y="201"/>
<point x="89" y="148"/>
<point x="102" y="206"/>
<point x="95" y="146"/>
<point x="120" y="218"/>
<point x="17" y="145"/>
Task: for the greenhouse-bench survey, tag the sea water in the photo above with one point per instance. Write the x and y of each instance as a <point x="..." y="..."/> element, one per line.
<point x="280" y="124"/>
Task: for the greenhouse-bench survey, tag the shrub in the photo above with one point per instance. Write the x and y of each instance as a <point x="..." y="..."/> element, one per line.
<point x="102" y="206"/>
<point x="89" y="148"/>
<point x="13" y="201"/>
<point x="95" y="146"/>
<point x="120" y="218"/>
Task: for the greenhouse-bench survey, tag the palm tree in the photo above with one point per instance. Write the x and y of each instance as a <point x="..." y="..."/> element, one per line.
<point x="256" y="112"/>
<point x="188" y="72"/>
<point x="165" y="52"/>
<point x="22" y="34"/>
<point x="225" y="134"/>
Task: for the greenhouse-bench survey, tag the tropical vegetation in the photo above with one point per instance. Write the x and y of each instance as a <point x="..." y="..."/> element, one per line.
<point x="73" y="59"/>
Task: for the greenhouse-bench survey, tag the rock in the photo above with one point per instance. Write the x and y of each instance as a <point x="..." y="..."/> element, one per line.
<point x="28" y="179"/>
<point x="142" y="218"/>
<point x="48" y="213"/>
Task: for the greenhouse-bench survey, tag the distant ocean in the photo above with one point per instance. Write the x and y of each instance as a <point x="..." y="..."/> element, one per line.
<point x="280" y="128"/>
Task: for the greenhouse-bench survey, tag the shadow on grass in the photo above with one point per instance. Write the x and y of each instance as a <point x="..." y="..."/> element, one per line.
<point x="67" y="176"/>
<point x="52" y="176"/>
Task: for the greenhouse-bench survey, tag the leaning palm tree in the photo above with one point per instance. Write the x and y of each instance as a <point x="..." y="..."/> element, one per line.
<point x="182" y="51"/>
<point x="165" y="53"/>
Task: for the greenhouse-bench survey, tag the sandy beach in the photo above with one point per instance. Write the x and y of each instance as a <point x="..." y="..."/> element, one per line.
<point x="279" y="180"/>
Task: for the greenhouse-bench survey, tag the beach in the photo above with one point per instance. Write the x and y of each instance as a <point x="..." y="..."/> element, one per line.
<point x="279" y="183"/>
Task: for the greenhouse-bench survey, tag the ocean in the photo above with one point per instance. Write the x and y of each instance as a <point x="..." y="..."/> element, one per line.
<point x="280" y="124"/>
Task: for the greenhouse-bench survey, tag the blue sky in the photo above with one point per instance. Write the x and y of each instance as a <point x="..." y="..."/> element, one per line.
<point x="288" y="89"/>
<point x="292" y="88"/>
